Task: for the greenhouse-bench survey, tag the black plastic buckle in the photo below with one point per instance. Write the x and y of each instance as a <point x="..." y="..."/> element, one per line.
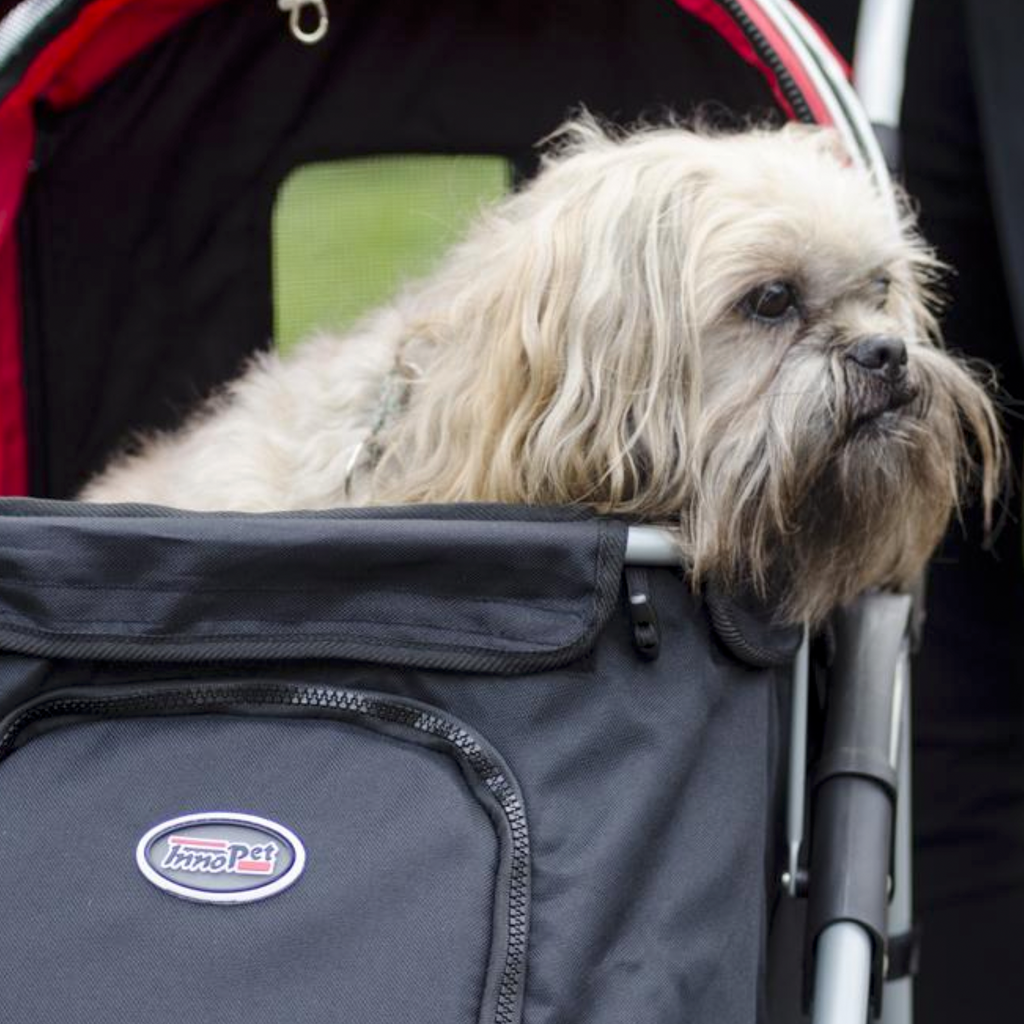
<point x="646" y="632"/>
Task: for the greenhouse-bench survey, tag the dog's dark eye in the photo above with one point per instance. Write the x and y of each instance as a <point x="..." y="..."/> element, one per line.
<point x="771" y="302"/>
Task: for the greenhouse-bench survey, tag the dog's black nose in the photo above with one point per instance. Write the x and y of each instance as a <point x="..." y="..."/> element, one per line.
<point x="881" y="355"/>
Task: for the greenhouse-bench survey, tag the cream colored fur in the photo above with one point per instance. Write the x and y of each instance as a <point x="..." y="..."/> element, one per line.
<point x="589" y="343"/>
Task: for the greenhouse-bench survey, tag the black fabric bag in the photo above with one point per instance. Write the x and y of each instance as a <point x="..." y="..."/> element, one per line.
<point x="477" y="801"/>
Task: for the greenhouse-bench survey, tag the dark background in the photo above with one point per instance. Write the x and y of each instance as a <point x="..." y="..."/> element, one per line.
<point x="962" y="139"/>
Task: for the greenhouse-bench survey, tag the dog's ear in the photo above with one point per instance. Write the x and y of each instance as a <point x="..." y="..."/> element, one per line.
<point x="570" y="323"/>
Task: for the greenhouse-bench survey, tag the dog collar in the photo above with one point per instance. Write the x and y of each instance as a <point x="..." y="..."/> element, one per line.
<point x="392" y="401"/>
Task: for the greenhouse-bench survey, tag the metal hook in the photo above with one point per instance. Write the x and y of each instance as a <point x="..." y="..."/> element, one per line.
<point x="295" y="9"/>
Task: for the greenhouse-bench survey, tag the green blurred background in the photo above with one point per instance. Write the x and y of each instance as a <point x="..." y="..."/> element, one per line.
<point x="347" y="234"/>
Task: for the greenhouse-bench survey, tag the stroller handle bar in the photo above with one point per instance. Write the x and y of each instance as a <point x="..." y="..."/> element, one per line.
<point x="651" y="545"/>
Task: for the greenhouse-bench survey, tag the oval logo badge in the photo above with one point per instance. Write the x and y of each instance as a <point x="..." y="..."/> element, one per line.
<point x="221" y="857"/>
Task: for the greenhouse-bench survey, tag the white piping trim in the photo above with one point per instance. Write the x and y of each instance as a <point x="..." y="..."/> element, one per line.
<point x="652" y="545"/>
<point x="21" y="22"/>
<point x="853" y="117"/>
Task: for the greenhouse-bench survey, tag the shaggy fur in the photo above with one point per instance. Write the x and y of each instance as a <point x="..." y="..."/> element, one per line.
<point x="596" y="341"/>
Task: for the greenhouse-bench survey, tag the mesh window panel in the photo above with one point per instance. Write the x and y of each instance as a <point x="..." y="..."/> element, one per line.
<point x="347" y="234"/>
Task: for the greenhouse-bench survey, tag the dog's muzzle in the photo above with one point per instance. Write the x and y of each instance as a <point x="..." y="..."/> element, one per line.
<point x="877" y="376"/>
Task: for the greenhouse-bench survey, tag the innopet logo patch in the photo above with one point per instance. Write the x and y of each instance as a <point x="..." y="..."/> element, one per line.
<point x="221" y="857"/>
<point x="217" y="856"/>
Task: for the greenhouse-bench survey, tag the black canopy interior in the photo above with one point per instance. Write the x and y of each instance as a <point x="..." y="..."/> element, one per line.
<point x="145" y="231"/>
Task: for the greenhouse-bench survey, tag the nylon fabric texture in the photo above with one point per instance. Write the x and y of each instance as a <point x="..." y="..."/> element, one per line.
<point x="647" y="786"/>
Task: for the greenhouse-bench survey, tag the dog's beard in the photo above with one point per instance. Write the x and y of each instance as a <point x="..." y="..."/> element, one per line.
<point x="814" y="484"/>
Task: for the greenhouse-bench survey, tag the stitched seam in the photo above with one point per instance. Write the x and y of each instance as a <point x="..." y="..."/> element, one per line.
<point x="340" y="623"/>
<point x="264" y="638"/>
<point x="529" y="603"/>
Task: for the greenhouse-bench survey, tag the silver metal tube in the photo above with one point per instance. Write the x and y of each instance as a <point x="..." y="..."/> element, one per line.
<point x="842" y="975"/>
<point x="880" y="57"/>
<point x="898" y="1001"/>
<point x="797" y="788"/>
<point x="652" y="545"/>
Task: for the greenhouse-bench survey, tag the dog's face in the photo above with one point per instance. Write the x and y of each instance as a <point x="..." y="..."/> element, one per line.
<point x="832" y="440"/>
<point x="729" y="332"/>
<point x="811" y="282"/>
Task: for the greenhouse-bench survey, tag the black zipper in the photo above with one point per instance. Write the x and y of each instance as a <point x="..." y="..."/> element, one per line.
<point x="764" y="50"/>
<point x="347" y="704"/>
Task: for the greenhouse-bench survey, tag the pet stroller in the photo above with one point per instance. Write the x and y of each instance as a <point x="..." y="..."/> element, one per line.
<point x="445" y="764"/>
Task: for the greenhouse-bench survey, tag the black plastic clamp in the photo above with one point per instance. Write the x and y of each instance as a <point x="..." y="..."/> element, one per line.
<point x="646" y="631"/>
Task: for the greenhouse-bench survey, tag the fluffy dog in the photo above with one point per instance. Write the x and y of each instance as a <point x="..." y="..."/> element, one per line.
<point x="727" y="333"/>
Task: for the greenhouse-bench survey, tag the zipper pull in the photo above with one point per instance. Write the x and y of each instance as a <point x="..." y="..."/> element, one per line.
<point x="646" y="633"/>
<point x="294" y="9"/>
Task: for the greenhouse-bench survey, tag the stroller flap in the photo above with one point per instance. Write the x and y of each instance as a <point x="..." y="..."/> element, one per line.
<point x="479" y="803"/>
<point x="162" y="586"/>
